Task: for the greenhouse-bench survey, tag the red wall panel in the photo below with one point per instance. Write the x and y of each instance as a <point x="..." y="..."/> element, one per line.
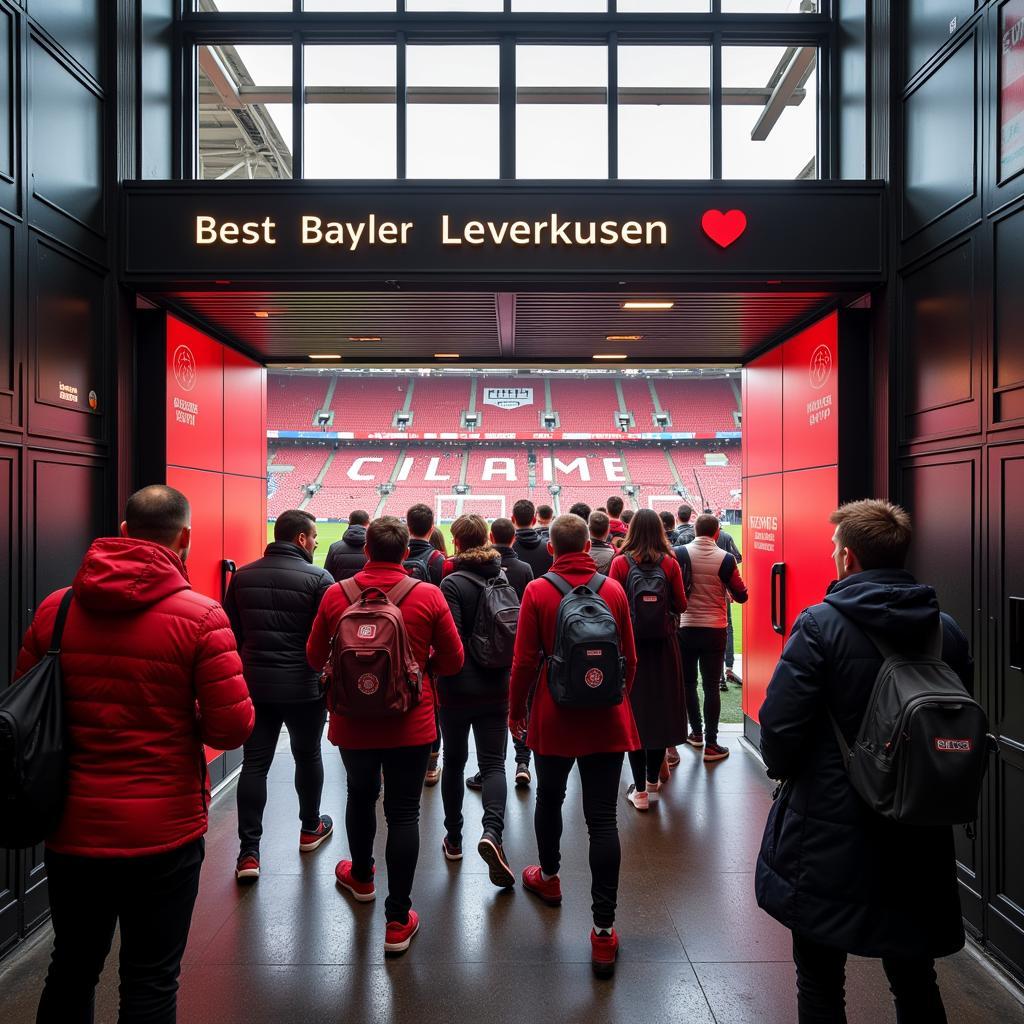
<point x="762" y="406"/>
<point x="205" y="492"/>
<point x="809" y="496"/>
<point x="245" y="518"/>
<point x="245" y="431"/>
<point x="810" y="396"/>
<point x="195" y="398"/>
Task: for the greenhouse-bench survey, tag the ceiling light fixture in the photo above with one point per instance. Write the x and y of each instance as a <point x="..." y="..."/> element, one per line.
<point x="610" y="355"/>
<point x="623" y="337"/>
<point x="647" y="305"/>
<point x="261" y="313"/>
<point x="324" y="355"/>
<point x="447" y="355"/>
<point x="364" y="337"/>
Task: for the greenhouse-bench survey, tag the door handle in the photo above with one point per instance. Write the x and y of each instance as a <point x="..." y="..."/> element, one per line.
<point x="227" y="570"/>
<point x="778" y="586"/>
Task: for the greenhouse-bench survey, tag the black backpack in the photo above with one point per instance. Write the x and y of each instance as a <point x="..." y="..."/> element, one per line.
<point x="419" y="566"/>
<point x="586" y="668"/>
<point x="922" y="747"/>
<point x="493" y="638"/>
<point x="33" y="753"/>
<point x="647" y="592"/>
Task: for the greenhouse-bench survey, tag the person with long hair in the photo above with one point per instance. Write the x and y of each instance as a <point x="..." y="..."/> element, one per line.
<point x="653" y="582"/>
<point x="437" y="541"/>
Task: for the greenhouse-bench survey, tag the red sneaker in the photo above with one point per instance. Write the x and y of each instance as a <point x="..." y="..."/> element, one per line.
<point x="248" y="868"/>
<point x="397" y="937"/>
<point x="311" y="840"/>
<point x="549" y="891"/>
<point x="604" y="950"/>
<point x="364" y="892"/>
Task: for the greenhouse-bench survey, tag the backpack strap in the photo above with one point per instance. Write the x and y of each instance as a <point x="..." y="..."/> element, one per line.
<point x="471" y="576"/>
<point x="933" y="648"/>
<point x="560" y="584"/>
<point x="58" y="622"/>
<point x="595" y="582"/>
<point x="351" y="589"/>
<point x="400" y="591"/>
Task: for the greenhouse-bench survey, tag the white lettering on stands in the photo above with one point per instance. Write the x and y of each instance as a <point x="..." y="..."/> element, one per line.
<point x="614" y="470"/>
<point x="431" y="473"/>
<point x="504" y="467"/>
<point x="230" y="232"/>
<point x="576" y="465"/>
<point x="357" y="465"/>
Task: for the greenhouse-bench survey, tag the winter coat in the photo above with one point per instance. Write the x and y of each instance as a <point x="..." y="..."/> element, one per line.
<point x="602" y="553"/>
<point x="683" y="535"/>
<point x="556" y="730"/>
<point x="423" y="550"/>
<point x="830" y="867"/>
<point x="271" y="604"/>
<point x="532" y="548"/>
<point x="517" y="571"/>
<point x="714" y="582"/>
<point x="617" y="528"/>
<point x="150" y="674"/>
<point x="726" y="543"/>
<point x="658" y="696"/>
<point x="474" y="685"/>
<point x="346" y="556"/>
<point x="435" y="646"/>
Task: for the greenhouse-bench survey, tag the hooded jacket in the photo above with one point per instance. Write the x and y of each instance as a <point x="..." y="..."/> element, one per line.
<point x="532" y="548"/>
<point x="423" y="550"/>
<point x="473" y="685"/>
<point x="151" y="673"/>
<point x="602" y="553"/>
<point x="556" y="730"/>
<point x="518" y="572"/>
<point x="346" y="556"/>
<point x="829" y="867"/>
<point x="617" y="528"/>
<point x="435" y="645"/>
<point x="271" y="604"/>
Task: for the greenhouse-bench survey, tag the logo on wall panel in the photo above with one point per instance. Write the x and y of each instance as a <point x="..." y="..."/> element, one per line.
<point x="821" y="366"/>
<point x="183" y="363"/>
<point x="508" y="398"/>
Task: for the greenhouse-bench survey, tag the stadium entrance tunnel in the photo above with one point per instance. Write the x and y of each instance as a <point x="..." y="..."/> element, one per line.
<point x="712" y="350"/>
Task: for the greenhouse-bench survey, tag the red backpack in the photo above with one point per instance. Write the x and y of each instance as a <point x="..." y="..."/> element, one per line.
<point x="370" y="670"/>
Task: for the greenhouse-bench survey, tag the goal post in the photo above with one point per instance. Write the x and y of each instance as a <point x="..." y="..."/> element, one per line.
<point x="671" y="502"/>
<point x="448" y="507"/>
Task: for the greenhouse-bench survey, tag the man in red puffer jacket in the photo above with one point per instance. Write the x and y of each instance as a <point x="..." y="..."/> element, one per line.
<point x="150" y="674"/>
<point x="595" y="739"/>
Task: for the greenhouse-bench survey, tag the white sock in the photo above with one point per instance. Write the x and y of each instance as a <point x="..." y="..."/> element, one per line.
<point x="602" y="931"/>
<point x="547" y="878"/>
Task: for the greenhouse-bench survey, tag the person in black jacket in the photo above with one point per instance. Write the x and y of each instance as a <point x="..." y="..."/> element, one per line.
<point x="271" y="604"/>
<point x="842" y="878"/>
<point x="420" y="520"/>
<point x="346" y="557"/>
<point x="529" y="545"/>
<point x="477" y="699"/>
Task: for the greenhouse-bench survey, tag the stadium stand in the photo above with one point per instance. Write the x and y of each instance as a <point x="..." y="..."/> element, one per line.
<point x="293" y="401"/>
<point x="496" y="420"/>
<point x="286" y="487"/>
<point x="584" y="405"/>
<point x="438" y="404"/>
<point x="340" y="493"/>
<point x="703" y="406"/>
<point x="640" y="404"/>
<point x="648" y="467"/>
<point x="369" y="402"/>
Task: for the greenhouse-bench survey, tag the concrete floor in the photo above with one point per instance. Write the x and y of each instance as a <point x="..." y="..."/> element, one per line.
<point x="695" y="947"/>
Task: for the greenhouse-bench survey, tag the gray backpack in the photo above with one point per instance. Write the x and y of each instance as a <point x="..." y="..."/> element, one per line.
<point x="493" y="638"/>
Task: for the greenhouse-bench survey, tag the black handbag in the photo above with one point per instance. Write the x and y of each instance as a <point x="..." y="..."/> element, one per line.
<point x="33" y="750"/>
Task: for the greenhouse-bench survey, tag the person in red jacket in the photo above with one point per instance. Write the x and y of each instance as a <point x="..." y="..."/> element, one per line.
<point x="151" y="673"/>
<point x="595" y="739"/>
<point x="396" y="747"/>
<point x="658" y="698"/>
<point x="616" y="527"/>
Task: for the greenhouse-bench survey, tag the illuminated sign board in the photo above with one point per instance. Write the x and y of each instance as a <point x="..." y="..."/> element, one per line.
<point x="771" y="232"/>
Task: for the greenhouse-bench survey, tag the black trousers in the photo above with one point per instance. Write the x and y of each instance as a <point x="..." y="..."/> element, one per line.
<point x="730" y="644"/>
<point x="305" y="723"/>
<point x="403" y="769"/>
<point x="703" y="648"/>
<point x="821" y="984"/>
<point x="151" y="898"/>
<point x="490" y="731"/>
<point x="599" y="778"/>
<point x="646" y="766"/>
<point x="522" y="751"/>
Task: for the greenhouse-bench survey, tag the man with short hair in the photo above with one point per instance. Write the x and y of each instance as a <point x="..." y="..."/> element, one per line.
<point x="668" y="523"/>
<point x="595" y="739"/>
<point x="616" y="527"/>
<point x="728" y="544"/>
<point x="684" y="533"/>
<point x="393" y="748"/>
<point x="713" y="579"/>
<point x="581" y="509"/>
<point x="347" y="556"/>
<point x="529" y="545"/>
<point x="420" y="521"/>
<point x="150" y="674"/>
<point x="545" y="513"/>
<point x="271" y="604"/>
<point x="601" y="551"/>
<point x="841" y="877"/>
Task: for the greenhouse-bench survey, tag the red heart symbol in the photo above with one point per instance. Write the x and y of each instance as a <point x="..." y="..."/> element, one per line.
<point x="724" y="228"/>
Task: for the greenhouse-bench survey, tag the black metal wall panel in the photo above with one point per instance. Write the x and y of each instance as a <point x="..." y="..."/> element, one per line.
<point x="7" y="346"/>
<point x="77" y="26"/>
<point x="930" y="23"/>
<point x="8" y="111"/>
<point x="157" y="100"/>
<point x="1008" y="333"/>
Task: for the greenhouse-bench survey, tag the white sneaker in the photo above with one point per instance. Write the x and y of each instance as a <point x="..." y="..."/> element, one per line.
<point x="638" y="798"/>
<point x="653" y="792"/>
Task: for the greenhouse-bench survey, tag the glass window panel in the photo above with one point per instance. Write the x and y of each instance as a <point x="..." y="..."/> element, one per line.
<point x="452" y="139"/>
<point x="350" y="111"/>
<point x="562" y="112"/>
<point x="762" y="140"/>
<point x="566" y="6"/>
<point x="244" y="111"/>
<point x="348" y="5"/>
<point x="489" y="6"/>
<point x="664" y="112"/>
<point x="663" y="6"/>
<point x="242" y="6"/>
<point x="770" y="6"/>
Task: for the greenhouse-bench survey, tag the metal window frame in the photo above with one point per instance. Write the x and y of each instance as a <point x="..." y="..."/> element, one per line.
<point x="505" y="29"/>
